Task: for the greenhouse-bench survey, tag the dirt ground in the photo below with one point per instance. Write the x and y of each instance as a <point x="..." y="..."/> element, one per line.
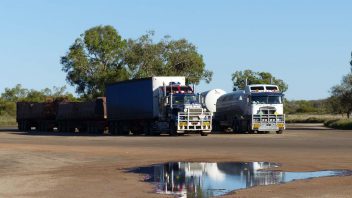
<point x="63" y="165"/>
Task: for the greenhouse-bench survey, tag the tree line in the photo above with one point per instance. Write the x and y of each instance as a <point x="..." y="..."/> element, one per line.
<point x="341" y="95"/>
<point x="18" y="93"/>
<point x="100" y="56"/>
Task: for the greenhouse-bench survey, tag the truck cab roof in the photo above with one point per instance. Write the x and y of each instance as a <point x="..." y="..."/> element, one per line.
<point x="261" y="88"/>
<point x="266" y="94"/>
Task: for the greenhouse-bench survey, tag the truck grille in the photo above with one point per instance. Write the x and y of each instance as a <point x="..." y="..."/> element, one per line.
<point x="195" y="110"/>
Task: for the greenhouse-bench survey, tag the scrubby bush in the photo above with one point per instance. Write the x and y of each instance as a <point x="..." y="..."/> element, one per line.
<point x="306" y="120"/>
<point x="311" y="118"/>
<point x="10" y="96"/>
<point x="345" y="124"/>
<point x="7" y="120"/>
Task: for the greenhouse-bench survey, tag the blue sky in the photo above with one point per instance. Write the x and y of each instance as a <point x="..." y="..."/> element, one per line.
<point x="306" y="43"/>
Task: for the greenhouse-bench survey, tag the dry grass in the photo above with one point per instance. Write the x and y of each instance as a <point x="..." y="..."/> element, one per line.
<point x="311" y="118"/>
<point x="6" y="120"/>
<point x="345" y="124"/>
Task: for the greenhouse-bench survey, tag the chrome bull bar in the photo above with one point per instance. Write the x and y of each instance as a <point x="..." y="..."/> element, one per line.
<point x="268" y="122"/>
<point x="194" y="120"/>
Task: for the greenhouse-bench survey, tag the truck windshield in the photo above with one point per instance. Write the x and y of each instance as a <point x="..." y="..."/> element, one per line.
<point x="266" y="100"/>
<point x="184" y="99"/>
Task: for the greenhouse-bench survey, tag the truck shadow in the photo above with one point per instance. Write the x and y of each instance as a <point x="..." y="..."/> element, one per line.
<point x="43" y="133"/>
<point x="307" y="127"/>
<point x="78" y="134"/>
<point x="7" y="129"/>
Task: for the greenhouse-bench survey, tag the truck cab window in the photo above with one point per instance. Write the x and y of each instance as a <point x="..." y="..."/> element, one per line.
<point x="177" y="99"/>
<point x="259" y="99"/>
<point x="266" y="100"/>
<point x="190" y="99"/>
<point x="184" y="99"/>
<point x="274" y="100"/>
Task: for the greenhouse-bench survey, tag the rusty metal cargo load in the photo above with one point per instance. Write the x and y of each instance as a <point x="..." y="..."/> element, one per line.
<point x="92" y="110"/>
<point x="136" y="99"/>
<point x="36" y="110"/>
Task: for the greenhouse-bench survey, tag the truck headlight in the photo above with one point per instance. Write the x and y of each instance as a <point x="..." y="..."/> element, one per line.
<point x="201" y="117"/>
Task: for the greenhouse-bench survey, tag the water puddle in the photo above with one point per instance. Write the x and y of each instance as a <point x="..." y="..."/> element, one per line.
<point x="194" y="179"/>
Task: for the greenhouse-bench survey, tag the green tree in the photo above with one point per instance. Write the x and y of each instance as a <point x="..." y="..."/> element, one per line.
<point x="333" y="105"/>
<point x="351" y="62"/>
<point x="239" y="79"/>
<point x="10" y="96"/>
<point x="14" y="94"/>
<point x="342" y="95"/>
<point x="145" y="58"/>
<point x="93" y="60"/>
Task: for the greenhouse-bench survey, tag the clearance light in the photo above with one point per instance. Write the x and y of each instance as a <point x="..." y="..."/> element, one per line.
<point x="256" y="126"/>
<point x="206" y="123"/>
<point x="183" y="124"/>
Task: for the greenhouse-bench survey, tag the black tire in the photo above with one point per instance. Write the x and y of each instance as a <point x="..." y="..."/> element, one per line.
<point x="112" y="130"/>
<point x="61" y="127"/>
<point x="150" y="131"/>
<point x="40" y="127"/>
<point x="238" y="126"/>
<point x="234" y="126"/>
<point x="20" y="125"/>
<point x="123" y="128"/>
<point x="279" y="132"/>
<point x="204" y="134"/>
<point x="249" y="128"/>
<point x="173" y="129"/>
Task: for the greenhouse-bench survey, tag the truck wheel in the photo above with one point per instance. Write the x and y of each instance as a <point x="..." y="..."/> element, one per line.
<point x="249" y="128"/>
<point x="203" y="134"/>
<point x="111" y="128"/>
<point x="20" y="126"/>
<point x="123" y="128"/>
<point x="173" y="129"/>
<point x="26" y="126"/>
<point x="234" y="127"/>
<point x="279" y="132"/>
<point x="237" y="126"/>
<point x="40" y="127"/>
<point x="151" y="131"/>
<point x="61" y="127"/>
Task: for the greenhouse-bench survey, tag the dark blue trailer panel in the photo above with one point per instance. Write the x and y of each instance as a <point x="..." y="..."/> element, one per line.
<point x="130" y="100"/>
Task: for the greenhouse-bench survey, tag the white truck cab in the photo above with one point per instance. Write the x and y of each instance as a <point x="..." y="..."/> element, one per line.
<point x="258" y="107"/>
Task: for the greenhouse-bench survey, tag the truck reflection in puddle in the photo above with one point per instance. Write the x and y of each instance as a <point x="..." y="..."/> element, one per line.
<point x="193" y="179"/>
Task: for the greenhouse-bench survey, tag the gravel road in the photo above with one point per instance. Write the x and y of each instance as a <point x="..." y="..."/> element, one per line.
<point x="65" y="165"/>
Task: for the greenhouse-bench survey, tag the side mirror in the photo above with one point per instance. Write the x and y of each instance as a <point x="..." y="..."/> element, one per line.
<point x="167" y="100"/>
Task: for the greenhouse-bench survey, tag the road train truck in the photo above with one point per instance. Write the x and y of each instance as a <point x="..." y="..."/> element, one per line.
<point x="88" y="116"/>
<point x="257" y="108"/>
<point x="156" y="105"/>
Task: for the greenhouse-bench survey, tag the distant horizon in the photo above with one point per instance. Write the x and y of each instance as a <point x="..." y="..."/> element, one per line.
<point x="306" y="44"/>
